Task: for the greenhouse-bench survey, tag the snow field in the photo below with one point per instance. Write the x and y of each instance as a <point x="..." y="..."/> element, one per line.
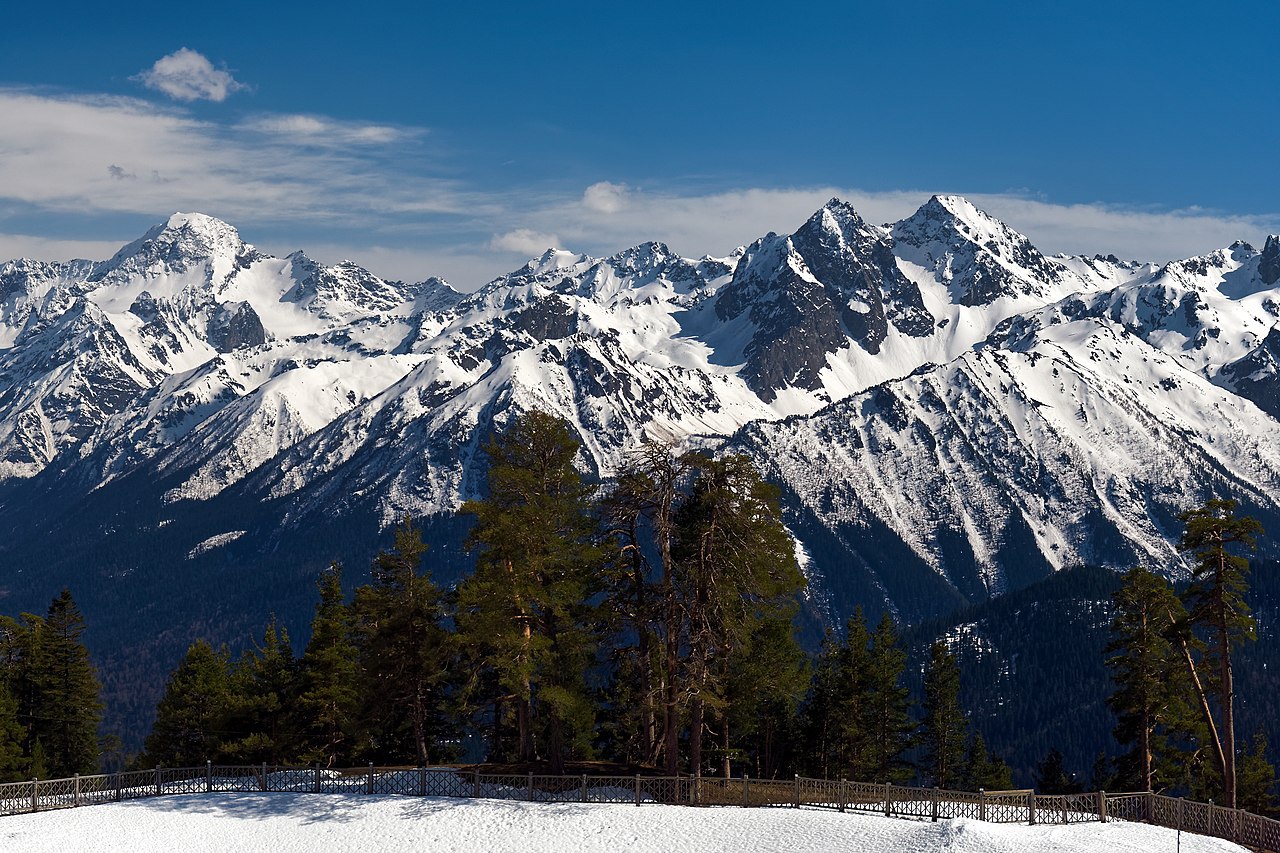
<point x="285" y="823"/>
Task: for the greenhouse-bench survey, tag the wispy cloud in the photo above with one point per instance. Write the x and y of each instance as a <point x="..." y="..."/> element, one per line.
<point x="717" y="222"/>
<point x="100" y="154"/>
<point x="187" y="75"/>
<point x="524" y="241"/>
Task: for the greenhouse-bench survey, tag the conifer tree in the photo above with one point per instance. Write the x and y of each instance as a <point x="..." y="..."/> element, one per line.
<point x="263" y="687"/>
<point x="1052" y="777"/>
<point x="736" y="565"/>
<point x="191" y="717"/>
<point x="329" y="698"/>
<point x="1215" y="602"/>
<point x="820" y="721"/>
<point x="1149" y="678"/>
<point x="887" y="717"/>
<point x="67" y="708"/>
<point x="527" y="609"/>
<point x="766" y="679"/>
<point x="12" y="734"/>
<point x="984" y="770"/>
<point x="944" y="729"/>
<point x="1257" y="790"/>
<point x="404" y="651"/>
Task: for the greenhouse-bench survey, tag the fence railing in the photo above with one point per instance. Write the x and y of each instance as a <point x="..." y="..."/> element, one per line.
<point x="1025" y="806"/>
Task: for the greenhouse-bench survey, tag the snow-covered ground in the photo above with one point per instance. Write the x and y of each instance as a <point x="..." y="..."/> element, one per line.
<point x="284" y="823"/>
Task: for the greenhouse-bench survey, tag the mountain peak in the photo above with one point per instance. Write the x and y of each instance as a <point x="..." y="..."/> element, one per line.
<point x="1269" y="261"/>
<point x="183" y="240"/>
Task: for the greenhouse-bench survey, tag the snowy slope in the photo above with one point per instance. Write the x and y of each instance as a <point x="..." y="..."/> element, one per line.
<point x="951" y="413"/>
<point x="286" y="823"/>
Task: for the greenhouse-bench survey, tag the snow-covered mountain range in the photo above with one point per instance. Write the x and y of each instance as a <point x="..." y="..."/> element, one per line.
<point x="949" y="412"/>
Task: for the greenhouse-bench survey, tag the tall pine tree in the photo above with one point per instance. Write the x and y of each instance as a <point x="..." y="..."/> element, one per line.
<point x="404" y="652"/>
<point x="66" y="709"/>
<point x="945" y="728"/>
<point x="1215" y="601"/>
<point x="526" y="610"/>
<point x="329" y="694"/>
<point x="191" y="718"/>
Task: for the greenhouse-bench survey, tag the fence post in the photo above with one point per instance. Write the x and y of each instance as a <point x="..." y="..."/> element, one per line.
<point x="1180" y="801"/>
<point x="797" y="790"/>
<point x="888" y="799"/>
<point x="637" y="789"/>
<point x="530" y="794"/>
<point x="584" y="787"/>
<point x="1102" y="806"/>
<point x="119" y="792"/>
<point x="368" y="784"/>
<point x="317" y="777"/>
<point x="982" y="804"/>
<point x="1065" y="818"/>
<point x="475" y="783"/>
<point x="1149" y="803"/>
<point x="422" y="782"/>
<point x="157" y="780"/>
<point x="1210" y="817"/>
<point x="75" y="796"/>
<point x="1031" y="807"/>
<point x="934" y="809"/>
<point x="842" y="792"/>
<point x="35" y="795"/>
<point x="746" y="783"/>
<point x="264" y="775"/>
<point x="208" y="776"/>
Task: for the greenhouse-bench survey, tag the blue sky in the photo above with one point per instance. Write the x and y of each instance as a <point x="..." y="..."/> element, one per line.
<point x="456" y="140"/>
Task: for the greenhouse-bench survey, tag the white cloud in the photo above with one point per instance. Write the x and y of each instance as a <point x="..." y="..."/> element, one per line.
<point x="524" y="241"/>
<point x="715" y="223"/>
<point x="326" y="131"/>
<point x="187" y="75"/>
<point x="54" y="249"/>
<point x="605" y="197"/>
<point x="122" y="155"/>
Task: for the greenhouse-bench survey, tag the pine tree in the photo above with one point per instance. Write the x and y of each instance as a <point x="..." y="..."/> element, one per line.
<point x="1215" y="602"/>
<point x="1257" y="790"/>
<point x="736" y="565"/>
<point x="1052" y="776"/>
<point x="67" y="708"/>
<point x="984" y="770"/>
<point x="263" y="688"/>
<point x="820" y="720"/>
<point x="766" y="679"/>
<point x="329" y="697"/>
<point x="404" y="651"/>
<point x="526" y="610"/>
<point x="1147" y="675"/>
<point x="887" y="717"/>
<point x="12" y="762"/>
<point x="191" y="717"/>
<point x="944" y="729"/>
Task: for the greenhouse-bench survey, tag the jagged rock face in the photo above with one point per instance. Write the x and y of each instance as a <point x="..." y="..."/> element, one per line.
<point x="980" y="258"/>
<point x="1269" y="262"/>
<point x="1256" y="376"/>
<point x="236" y="325"/>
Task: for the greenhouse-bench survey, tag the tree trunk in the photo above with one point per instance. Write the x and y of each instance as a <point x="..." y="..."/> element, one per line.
<point x="696" y="721"/>
<point x="1203" y="699"/>
<point x="727" y="765"/>
<point x="1226" y="687"/>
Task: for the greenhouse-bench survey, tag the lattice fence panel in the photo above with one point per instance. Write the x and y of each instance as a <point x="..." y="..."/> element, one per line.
<point x="959" y="804"/>
<point x="504" y="787"/>
<point x="300" y="779"/>
<point x="56" y="794"/>
<point x="910" y="802"/>
<point x="821" y="793"/>
<point x="665" y="789"/>
<point x="135" y="784"/>
<point x="864" y="796"/>
<point x="15" y="797"/>
<point x="611" y="789"/>
<point x="770" y="792"/>
<point x="1134" y="806"/>
<point x="448" y="783"/>
<point x="1008" y="806"/>
<point x="1162" y="811"/>
<point x="1195" y="818"/>
<point x="237" y="778"/>
<point x="97" y="789"/>
<point x="393" y="781"/>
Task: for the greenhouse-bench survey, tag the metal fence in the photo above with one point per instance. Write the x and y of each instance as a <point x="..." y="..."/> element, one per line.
<point x="1026" y="806"/>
